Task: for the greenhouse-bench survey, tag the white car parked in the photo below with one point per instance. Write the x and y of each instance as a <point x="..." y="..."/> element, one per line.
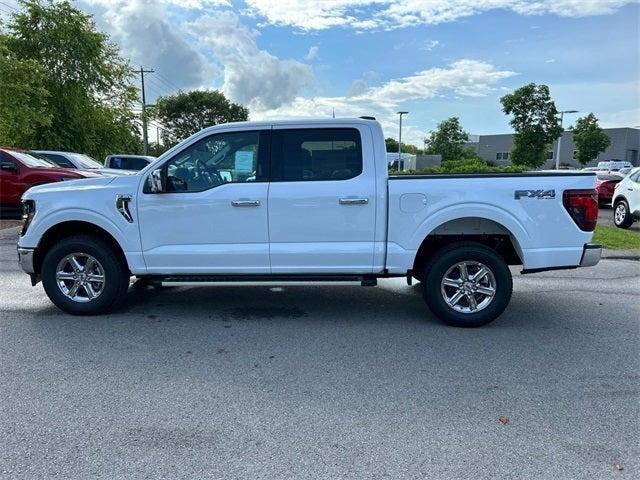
<point x="305" y="201"/>
<point x="626" y="200"/>
<point x="79" y="161"/>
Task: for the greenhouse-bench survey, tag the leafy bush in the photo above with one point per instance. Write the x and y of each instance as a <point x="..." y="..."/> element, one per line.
<point x="467" y="165"/>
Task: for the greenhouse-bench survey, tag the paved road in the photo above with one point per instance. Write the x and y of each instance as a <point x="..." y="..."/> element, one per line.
<point x="322" y="382"/>
<point x="605" y="217"/>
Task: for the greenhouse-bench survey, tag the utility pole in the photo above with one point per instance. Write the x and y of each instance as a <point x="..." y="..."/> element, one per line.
<point x="400" y="140"/>
<point x="145" y="140"/>
<point x="560" y="137"/>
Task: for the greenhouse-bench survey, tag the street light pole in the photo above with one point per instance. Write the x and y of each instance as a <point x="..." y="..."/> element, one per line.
<point x="400" y="139"/>
<point x="560" y="137"/>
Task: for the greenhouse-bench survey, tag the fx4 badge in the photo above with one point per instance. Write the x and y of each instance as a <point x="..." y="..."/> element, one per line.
<point x="539" y="194"/>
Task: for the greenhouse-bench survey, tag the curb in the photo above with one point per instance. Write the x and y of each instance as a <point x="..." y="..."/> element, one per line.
<point x="621" y="255"/>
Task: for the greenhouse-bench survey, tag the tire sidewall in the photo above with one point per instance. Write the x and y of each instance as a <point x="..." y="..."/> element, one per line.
<point x="470" y="252"/>
<point x="626" y="221"/>
<point x="113" y="271"/>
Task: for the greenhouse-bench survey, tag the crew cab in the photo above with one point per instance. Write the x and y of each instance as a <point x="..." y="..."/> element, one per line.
<point x="19" y="171"/>
<point x="304" y="200"/>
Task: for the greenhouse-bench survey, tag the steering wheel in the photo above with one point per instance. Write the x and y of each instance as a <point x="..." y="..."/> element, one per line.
<point x="202" y="172"/>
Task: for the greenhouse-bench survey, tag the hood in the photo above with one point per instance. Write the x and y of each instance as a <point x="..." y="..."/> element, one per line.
<point x="96" y="182"/>
<point x="114" y="172"/>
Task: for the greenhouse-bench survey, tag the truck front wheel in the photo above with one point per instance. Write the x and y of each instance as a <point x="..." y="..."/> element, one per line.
<point x="467" y="284"/>
<point x="83" y="275"/>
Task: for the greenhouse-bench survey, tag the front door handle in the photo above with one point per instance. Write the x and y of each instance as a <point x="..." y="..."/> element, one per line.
<point x="245" y="203"/>
<point x="354" y="201"/>
<point x="630" y="189"/>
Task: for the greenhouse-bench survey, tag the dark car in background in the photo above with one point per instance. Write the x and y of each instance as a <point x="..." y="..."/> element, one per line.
<point x="128" y="162"/>
<point x="20" y="170"/>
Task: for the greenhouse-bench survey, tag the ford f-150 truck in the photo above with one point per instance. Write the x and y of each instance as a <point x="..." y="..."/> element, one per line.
<point x="304" y="201"/>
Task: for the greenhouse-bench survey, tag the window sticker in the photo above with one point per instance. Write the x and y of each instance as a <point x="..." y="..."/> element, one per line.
<point x="244" y="161"/>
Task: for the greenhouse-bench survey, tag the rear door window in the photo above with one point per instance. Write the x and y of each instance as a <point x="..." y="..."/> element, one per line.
<point x="303" y="155"/>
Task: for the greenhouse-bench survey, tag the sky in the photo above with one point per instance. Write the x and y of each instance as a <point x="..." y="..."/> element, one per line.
<point x="432" y="58"/>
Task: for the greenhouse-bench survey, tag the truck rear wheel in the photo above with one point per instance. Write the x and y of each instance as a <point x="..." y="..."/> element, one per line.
<point x="82" y="275"/>
<point x="467" y="284"/>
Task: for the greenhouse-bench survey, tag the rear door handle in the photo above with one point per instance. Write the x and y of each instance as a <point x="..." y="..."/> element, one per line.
<point x="245" y="203"/>
<point x="354" y="201"/>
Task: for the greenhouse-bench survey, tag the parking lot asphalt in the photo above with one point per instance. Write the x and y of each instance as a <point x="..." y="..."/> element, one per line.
<point x="322" y="382"/>
<point x="605" y="217"/>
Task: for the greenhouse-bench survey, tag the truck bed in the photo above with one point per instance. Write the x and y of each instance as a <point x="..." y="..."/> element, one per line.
<point x="541" y="230"/>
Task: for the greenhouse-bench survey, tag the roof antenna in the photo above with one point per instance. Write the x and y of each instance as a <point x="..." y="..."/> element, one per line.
<point x="334" y="112"/>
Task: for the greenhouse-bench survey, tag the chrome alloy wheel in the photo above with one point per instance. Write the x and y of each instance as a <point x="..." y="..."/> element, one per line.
<point x="620" y="213"/>
<point x="80" y="277"/>
<point x="468" y="287"/>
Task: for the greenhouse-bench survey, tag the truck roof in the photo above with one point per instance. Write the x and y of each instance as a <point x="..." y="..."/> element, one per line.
<point x="298" y="121"/>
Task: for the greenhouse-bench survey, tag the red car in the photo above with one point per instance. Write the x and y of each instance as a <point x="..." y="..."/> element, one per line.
<point x="20" y="170"/>
<point x="605" y="185"/>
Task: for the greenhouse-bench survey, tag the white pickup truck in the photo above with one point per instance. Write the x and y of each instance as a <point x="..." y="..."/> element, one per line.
<point x="304" y="201"/>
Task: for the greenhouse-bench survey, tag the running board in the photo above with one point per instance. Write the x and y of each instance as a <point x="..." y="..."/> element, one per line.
<point x="364" y="280"/>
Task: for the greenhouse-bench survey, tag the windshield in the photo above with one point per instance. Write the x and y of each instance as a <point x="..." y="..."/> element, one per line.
<point x="84" y="161"/>
<point x="33" y="161"/>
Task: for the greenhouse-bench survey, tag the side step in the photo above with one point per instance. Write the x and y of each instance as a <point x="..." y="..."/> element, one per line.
<point x="364" y="280"/>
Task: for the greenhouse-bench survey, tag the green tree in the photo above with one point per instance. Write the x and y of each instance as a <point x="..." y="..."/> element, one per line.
<point x="391" y="144"/>
<point x="23" y="100"/>
<point x="84" y="88"/>
<point x="589" y="139"/>
<point x="535" y="121"/>
<point x="392" y="147"/>
<point x="448" y="140"/>
<point x="186" y="113"/>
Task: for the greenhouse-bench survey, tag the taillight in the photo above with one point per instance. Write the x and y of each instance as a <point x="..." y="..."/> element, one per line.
<point x="582" y="205"/>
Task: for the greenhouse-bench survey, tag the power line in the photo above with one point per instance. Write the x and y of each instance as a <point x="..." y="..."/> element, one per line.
<point x="167" y="81"/>
<point x="10" y="7"/>
<point x="161" y="89"/>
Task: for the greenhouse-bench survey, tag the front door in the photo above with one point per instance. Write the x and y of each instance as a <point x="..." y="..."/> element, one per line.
<point x="211" y="217"/>
<point x="322" y="201"/>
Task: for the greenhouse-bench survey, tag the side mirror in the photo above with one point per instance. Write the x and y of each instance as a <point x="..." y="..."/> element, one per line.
<point x="9" y="167"/>
<point x="156" y="181"/>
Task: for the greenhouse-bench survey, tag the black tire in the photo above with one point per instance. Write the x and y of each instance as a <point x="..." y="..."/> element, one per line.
<point x="116" y="275"/>
<point x="450" y="256"/>
<point x="621" y="215"/>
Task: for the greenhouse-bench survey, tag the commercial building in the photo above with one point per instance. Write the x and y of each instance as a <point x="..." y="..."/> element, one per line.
<point x="625" y="144"/>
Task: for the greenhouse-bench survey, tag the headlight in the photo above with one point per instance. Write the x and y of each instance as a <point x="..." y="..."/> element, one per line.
<point x="28" y="211"/>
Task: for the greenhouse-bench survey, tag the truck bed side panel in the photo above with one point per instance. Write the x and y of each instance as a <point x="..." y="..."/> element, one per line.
<point x="541" y="229"/>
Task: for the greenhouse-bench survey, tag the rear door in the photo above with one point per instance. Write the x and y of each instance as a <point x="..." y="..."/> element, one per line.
<point x="322" y="200"/>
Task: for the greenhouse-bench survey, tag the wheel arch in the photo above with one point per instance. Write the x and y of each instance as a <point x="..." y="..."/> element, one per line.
<point x="65" y="229"/>
<point x="485" y="231"/>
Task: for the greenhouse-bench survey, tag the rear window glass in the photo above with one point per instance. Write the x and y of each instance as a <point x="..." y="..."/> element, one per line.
<point x="128" y="163"/>
<point x="316" y="154"/>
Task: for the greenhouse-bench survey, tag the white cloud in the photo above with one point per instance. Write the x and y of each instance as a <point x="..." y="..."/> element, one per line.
<point x="375" y="14"/>
<point x="146" y="35"/>
<point x="252" y="76"/>
<point x="196" y="54"/>
<point x="312" y="54"/>
<point x="465" y="78"/>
